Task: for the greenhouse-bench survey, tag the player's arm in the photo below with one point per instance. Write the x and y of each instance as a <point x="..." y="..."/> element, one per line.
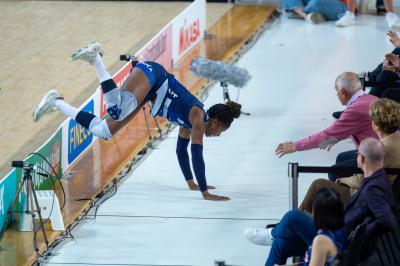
<point x="183" y="157"/>
<point x="196" y="118"/>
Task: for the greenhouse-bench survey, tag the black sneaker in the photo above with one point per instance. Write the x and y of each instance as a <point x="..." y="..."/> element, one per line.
<point x="380" y="7"/>
<point x="337" y="114"/>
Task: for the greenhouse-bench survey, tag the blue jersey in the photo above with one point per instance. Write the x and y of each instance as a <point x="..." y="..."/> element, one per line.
<point x="169" y="98"/>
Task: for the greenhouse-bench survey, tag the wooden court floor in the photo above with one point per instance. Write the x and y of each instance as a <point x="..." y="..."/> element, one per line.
<point x="37" y="38"/>
<point x="105" y="159"/>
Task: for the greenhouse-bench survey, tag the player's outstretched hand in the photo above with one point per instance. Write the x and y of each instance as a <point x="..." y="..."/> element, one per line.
<point x="193" y="186"/>
<point x="208" y="196"/>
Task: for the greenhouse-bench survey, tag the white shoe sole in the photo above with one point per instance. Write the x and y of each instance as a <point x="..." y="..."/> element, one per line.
<point x="87" y="52"/>
<point x="44" y="104"/>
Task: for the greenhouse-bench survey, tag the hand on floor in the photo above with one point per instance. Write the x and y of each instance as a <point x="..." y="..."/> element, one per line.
<point x="208" y="196"/>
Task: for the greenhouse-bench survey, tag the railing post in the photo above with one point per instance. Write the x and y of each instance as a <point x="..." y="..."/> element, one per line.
<point x="293" y="174"/>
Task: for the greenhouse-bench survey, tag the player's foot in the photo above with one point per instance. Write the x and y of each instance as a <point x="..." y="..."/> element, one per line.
<point x="88" y="52"/>
<point x="46" y="105"/>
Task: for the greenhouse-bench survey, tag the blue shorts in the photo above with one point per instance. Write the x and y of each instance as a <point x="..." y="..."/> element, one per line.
<point x="156" y="74"/>
<point x="169" y="98"/>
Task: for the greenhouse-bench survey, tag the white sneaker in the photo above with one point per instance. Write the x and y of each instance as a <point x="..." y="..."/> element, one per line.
<point x="314" y="18"/>
<point x="393" y="21"/>
<point x="346" y="20"/>
<point x="87" y="53"/>
<point x="259" y="236"/>
<point x="46" y="105"/>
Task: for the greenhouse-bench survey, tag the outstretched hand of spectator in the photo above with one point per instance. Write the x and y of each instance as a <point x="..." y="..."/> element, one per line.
<point x="393" y="60"/>
<point x="394" y="38"/>
<point x="285" y="148"/>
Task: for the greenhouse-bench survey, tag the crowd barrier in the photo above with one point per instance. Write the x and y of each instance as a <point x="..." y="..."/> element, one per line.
<point x="294" y="169"/>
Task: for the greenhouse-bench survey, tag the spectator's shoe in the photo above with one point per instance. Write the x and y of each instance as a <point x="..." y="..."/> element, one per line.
<point x="87" y="53"/>
<point x="380" y="10"/>
<point x="337" y="114"/>
<point x="380" y="7"/>
<point x="363" y="75"/>
<point x="346" y="20"/>
<point x="393" y="21"/>
<point x="314" y="18"/>
<point x="46" y="105"/>
<point x="292" y="15"/>
<point x="259" y="236"/>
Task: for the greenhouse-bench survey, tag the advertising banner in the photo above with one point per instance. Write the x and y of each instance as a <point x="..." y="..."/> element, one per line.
<point x="8" y="189"/>
<point x="159" y="49"/>
<point x="51" y="151"/>
<point x="188" y="29"/>
<point x="79" y="138"/>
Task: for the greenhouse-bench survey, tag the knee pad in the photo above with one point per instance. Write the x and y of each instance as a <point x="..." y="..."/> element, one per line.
<point x="127" y="105"/>
<point x="100" y="129"/>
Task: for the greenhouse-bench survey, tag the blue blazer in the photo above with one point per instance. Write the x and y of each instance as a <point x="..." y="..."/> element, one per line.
<point x="373" y="199"/>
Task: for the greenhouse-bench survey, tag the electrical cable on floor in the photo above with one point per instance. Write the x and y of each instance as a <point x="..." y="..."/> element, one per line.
<point x="116" y="264"/>
<point x="188" y="217"/>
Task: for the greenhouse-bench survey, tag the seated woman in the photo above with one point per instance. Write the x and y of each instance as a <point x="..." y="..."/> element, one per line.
<point x="385" y="119"/>
<point x="297" y="230"/>
<point x="315" y="11"/>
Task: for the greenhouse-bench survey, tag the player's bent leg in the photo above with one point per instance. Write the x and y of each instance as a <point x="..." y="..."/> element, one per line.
<point x="98" y="127"/>
<point x="119" y="103"/>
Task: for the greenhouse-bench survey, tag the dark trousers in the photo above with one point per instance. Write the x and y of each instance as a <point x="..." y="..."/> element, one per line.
<point x="380" y="75"/>
<point x="292" y="236"/>
<point x="344" y="159"/>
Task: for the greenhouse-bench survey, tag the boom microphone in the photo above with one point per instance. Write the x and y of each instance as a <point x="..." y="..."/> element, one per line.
<point x="218" y="71"/>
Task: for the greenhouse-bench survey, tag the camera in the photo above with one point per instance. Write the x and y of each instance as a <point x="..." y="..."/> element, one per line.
<point x="127" y="57"/>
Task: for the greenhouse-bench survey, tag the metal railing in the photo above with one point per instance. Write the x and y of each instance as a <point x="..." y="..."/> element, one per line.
<point x="294" y="169"/>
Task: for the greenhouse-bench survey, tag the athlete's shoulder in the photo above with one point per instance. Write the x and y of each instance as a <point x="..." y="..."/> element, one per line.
<point x="197" y="112"/>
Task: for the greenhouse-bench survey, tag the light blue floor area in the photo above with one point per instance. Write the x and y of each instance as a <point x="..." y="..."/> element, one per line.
<point x="155" y="220"/>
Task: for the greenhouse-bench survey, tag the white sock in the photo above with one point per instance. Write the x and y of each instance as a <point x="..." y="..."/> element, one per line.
<point x="101" y="70"/>
<point x="66" y="108"/>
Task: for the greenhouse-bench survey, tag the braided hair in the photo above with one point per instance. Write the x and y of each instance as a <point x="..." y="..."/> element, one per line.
<point x="225" y="113"/>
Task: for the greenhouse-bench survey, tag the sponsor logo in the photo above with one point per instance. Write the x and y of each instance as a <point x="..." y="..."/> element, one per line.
<point x="79" y="138"/>
<point x="159" y="49"/>
<point x="172" y="93"/>
<point x="55" y="157"/>
<point x="189" y="33"/>
<point x="149" y="67"/>
<point x="156" y="49"/>
<point x="180" y="121"/>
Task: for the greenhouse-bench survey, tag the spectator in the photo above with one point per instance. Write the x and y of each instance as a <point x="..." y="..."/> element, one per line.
<point x="331" y="238"/>
<point x="315" y="11"/>
<point x="354" y="123"/>
<point x="349" y="18"/>
<point x="385" y="116"/>
<point x="374" y="199"/>
<point x="388" y="71"/>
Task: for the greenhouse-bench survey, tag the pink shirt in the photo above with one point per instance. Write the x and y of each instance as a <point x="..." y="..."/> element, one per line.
<point x="354" y="122"/>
